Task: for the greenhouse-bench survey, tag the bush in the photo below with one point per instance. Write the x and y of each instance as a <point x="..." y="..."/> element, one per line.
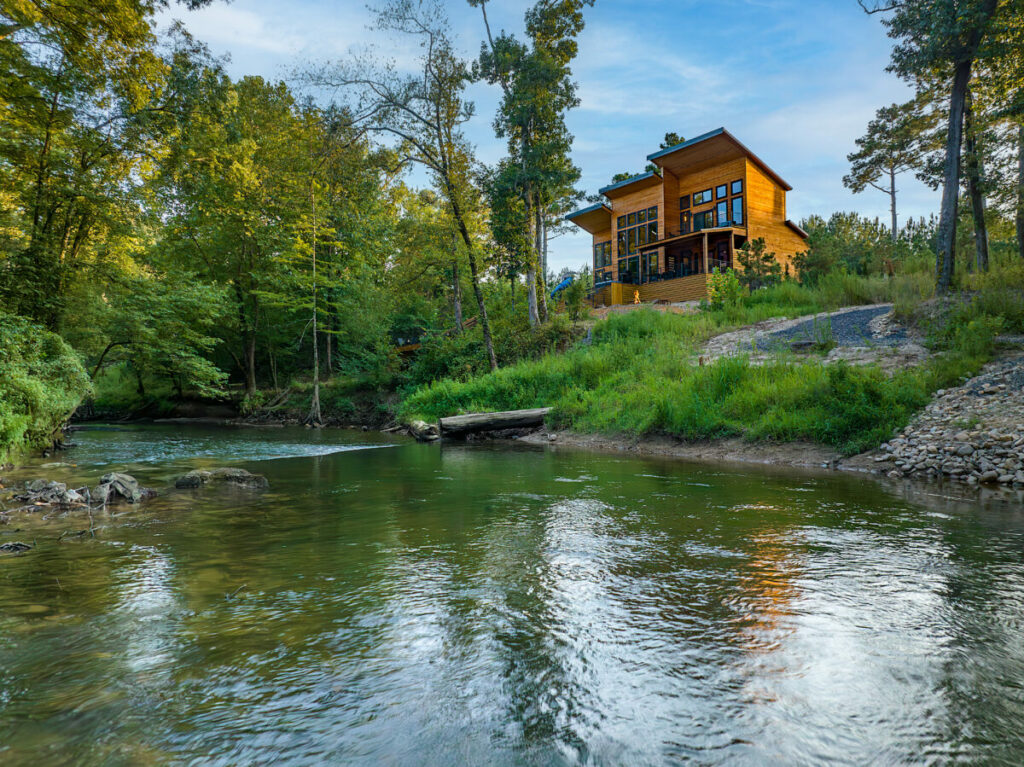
<point x="43" y="381"/>
<point x="723" y="289"/>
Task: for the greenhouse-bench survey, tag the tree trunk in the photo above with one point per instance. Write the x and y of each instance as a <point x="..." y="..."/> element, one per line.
<point x="974" y="172"/>
<point x="531" y="295"/>
<point x="456" y="295"/>
<point x="1020" y="190"/>
<point x="475" y="279"/>
<point x="250" y="362"/>
<point x="892" y="203"/>
<point x="951" y="179"/>
<point x="314" y="405"/>
<point x="542" y="290"/>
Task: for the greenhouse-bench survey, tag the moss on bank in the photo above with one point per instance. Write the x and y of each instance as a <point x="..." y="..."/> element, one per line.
<point x="41" y="383"/>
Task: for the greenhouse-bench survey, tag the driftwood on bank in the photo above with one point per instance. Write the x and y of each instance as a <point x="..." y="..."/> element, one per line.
<point x="459" y="425"/>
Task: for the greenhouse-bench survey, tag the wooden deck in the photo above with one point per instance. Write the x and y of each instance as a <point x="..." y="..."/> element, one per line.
<point x="691" y="288"/>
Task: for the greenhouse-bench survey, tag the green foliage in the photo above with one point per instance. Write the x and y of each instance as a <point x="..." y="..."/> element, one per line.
<point x="724" y="289"/>
<point x="760" y="267"/>
<point x="639" y="377"/>
<point x="42" y="382"/>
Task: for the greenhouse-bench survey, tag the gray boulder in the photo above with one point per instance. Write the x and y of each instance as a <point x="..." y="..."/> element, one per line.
<point x="44" y="492"/>
<point x="233" y="477"/>
<point x="120" y="488"/>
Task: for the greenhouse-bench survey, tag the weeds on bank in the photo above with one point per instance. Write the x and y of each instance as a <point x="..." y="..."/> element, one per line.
<point x="640" y="375"/>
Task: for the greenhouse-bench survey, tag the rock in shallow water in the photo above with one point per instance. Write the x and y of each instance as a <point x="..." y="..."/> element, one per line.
<point x="117" y="487"/>
<point x="236" y="477"/>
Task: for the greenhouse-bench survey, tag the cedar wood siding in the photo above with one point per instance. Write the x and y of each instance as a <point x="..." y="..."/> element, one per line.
<point x="766" y="204"/>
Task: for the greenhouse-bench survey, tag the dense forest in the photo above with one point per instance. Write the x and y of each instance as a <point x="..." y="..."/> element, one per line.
<point x="169" y="234"/>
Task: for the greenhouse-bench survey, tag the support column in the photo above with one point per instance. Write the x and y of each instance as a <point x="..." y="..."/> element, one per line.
<point x="732" y="250"/>
<point x="705" y="253"/>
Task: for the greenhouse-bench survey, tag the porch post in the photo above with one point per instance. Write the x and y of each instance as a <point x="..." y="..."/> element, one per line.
<point x="732" y="250"/>
<point x="705" y="252"/>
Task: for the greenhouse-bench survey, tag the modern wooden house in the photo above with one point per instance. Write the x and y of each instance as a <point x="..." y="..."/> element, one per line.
<point x="661" y="233"/>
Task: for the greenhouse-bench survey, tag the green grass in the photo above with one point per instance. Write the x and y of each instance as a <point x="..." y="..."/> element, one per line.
<point x="42" y="381"/>
<point x="640" y="376"/>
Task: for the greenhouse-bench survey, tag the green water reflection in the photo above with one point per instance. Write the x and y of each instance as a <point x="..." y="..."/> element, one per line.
<point x="409" y="604"/>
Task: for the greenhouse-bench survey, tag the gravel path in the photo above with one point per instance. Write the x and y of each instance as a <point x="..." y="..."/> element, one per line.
<point x="848" y="328"/>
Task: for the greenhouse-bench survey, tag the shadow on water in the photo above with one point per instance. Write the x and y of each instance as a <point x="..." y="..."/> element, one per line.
<point x="484" y="605"/>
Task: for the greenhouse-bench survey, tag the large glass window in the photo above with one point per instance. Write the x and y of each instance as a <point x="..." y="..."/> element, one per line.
<point x="684" y="222"/>
<point x="700" y="198"/>
<point x="737" y="211"/>
<point x="721" y="191"/>
<point x="642" y="231"/>
<point x="722" y="213"/>
<point x="737" y="186"/>
<point x="703" y="220"/>
<point x="602" y="255"/>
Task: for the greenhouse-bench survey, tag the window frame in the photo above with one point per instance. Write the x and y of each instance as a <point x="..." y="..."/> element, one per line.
<point x="721" y="191"/>
<point x="737" y="220"/>
<point x="732" y="187"/>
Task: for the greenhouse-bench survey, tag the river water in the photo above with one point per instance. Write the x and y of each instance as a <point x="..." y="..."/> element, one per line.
<point x="390" y="603"/>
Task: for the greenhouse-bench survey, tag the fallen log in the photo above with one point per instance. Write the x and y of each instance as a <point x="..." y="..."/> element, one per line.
<point x="458" y="425"/>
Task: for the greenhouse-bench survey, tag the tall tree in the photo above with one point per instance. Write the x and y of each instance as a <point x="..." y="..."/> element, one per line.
<point x="891" y="146"/>
<point x="945" y="36"/>
<point x="87" y="98"/>
<point x="425" y="113"/>
<point x="537" y="91"/>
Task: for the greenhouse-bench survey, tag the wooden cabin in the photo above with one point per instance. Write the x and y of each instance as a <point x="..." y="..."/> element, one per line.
<point x="661" y="233"/>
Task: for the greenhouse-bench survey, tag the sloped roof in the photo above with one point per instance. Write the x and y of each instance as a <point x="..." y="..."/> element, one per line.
<point x="675" y="157"/>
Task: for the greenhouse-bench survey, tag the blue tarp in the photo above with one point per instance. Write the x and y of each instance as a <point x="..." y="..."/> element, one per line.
<point x="562" y="286"/>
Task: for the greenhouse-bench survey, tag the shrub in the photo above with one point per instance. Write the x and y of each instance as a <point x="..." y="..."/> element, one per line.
<point x="42" y="382"/>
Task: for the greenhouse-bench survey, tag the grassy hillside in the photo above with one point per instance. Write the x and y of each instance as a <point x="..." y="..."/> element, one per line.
<point x="640" y="373"/>
<point x="43" y="381"/>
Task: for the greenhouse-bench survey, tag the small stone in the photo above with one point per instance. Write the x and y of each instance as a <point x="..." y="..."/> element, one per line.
<point x="989" y="476"/>
<point x="1005" y="479"/>
<point x="964" y="450"/>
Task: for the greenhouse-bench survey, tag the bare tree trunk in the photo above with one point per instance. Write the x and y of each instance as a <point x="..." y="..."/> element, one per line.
<point x="314" y="406"/>
<point x="542" y="297"/>
<point x="250" y="363"/>
<point x="1020" y="190"/>
<point x="531" y="295"/>
<point x="456" y="295"/>
<point x="892" y="203"/>
<point x="975" y="173"/>
<point x="951" y="181"/>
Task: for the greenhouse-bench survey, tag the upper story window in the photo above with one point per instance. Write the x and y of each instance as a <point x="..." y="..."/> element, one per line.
<point x="737" y="186"/>
<point x="640" y="228"/>
<point x="602" y="255"/>
<point x="699" y="198"/>
<point x="721" y="191"/>
<point x="737" y="211"/>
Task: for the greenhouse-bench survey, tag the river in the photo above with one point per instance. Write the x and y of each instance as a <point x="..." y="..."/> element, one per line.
<point x="391" y="603"/>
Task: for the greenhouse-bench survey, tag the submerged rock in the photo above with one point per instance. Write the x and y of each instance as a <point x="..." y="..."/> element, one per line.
<point x="117" y="488"/>
<point x="42" y="492"/>
<point x="14" y="547"/>
<point x="236" y="477"/>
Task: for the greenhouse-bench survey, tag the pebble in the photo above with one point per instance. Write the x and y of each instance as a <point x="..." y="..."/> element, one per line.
<point x="972" y="433"/>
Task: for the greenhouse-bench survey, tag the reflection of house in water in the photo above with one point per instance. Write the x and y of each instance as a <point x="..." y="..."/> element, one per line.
<point x="768" y="590"/>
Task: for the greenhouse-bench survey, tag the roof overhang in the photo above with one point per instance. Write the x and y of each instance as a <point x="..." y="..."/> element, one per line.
<point x="596" y="218"/>
<point x="704" y="151"/>
<point x="631" y="184"/>
<point x="690" y="236"/>
<point x="796" y="229"/>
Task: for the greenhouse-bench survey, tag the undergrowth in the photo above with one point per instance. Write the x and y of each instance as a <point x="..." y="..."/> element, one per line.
<point x="640" y="374"/>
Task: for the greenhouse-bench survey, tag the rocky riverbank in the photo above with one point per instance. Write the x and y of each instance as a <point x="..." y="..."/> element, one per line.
<point x="973" y="433"/>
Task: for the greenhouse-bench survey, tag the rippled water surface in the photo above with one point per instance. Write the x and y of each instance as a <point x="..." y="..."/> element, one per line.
<point x="388" y="603"/>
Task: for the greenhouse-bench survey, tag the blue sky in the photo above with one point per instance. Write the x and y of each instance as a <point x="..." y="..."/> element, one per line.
<point x="795" y="80"/>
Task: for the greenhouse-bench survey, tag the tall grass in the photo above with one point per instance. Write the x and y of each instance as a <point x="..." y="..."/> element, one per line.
<point x="640" y="375"/>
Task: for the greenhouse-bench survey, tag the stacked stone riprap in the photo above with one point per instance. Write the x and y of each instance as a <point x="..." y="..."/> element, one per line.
<point x="972" y="433"/>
